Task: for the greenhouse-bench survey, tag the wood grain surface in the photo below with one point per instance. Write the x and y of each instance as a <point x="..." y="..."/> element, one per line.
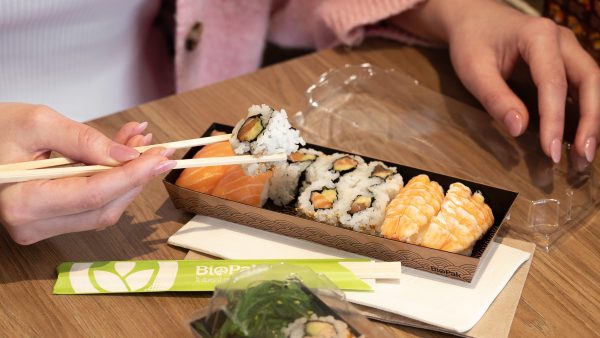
<point x="561" y="296"/>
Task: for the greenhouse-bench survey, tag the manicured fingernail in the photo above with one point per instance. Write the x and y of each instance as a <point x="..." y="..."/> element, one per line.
<point x="581" y="164"/>
<point x="168" y="152"/>
<point x="513" y="122"/>
<point x="164" y="166"/>
<point x="140" y="128"/>
<point x="555" y="150"/>
<point x="123" y="153"/>
<point x="147" y="139"/>
<point x="590" y="149"/>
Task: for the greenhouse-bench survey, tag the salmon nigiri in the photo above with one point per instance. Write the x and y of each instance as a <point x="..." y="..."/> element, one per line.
<point x="235" y="185"/>
<point x="205" y="179"/>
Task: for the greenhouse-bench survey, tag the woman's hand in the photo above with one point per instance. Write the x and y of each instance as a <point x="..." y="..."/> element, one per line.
<point x="35" y="210"/>
<point x="487" y="39"/>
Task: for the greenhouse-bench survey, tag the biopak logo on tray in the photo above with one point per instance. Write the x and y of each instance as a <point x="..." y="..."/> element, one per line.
<point x="123" y="276"/>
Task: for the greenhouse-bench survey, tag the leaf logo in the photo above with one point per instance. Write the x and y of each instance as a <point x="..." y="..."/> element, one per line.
<point x="123" y="277"/>
<point x="138" y="280"/>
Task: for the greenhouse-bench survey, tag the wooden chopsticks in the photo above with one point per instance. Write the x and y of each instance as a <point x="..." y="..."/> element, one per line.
<point x="54" y="162"/>
<point x="12" y="176"/>
<point x="375" y="270"/>
<point x="41" y="170"/>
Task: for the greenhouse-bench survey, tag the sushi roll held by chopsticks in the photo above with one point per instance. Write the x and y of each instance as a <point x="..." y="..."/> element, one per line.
<point x="264" y="131"/>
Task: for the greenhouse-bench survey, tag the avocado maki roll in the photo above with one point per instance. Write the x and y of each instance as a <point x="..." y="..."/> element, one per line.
<point x="362" y="210"/>
<point x="264" y="131"/>
<point x="287" y="176"/>
<point x="318" y="200"/>
<point x="364" y="195"/>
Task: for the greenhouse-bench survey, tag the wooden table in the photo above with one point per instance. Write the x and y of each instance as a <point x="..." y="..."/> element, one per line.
<point x="561" y="296"/>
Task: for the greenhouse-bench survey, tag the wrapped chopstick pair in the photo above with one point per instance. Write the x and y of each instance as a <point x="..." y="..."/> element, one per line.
<point x="203" y="275"/>
<point x="42" y="169"/>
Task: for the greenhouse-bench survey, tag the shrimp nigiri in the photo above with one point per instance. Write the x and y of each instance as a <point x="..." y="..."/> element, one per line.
<point x="409" y="213"/>
<point x="463" y="219"/>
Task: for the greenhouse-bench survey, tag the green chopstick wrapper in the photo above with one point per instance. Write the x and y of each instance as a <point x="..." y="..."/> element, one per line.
<point x="182" y="275"/>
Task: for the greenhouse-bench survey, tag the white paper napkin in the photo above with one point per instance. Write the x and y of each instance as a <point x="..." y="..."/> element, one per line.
<point x="440" y="301"/>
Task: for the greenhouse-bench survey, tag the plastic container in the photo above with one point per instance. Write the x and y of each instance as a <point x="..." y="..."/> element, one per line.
<point x="365" y="109"/>
<point x="269" y="300"/>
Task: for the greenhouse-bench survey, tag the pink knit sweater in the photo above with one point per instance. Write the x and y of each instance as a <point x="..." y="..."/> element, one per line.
<point x="220" y="39"/>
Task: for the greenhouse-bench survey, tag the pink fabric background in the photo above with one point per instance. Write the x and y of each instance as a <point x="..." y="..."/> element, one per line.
<point x="234" y="31"/>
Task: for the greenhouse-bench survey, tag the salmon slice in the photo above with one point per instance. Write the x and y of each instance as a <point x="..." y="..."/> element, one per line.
<point x="205" y="179"/>
<point x="237" y="186"/>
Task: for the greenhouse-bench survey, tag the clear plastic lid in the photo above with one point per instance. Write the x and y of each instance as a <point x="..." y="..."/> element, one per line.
<point x="276" y="301"/>
<point x="385" y="114"/>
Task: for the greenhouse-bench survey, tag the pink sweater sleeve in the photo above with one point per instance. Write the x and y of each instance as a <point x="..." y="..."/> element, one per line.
<point x="324" y="24"/>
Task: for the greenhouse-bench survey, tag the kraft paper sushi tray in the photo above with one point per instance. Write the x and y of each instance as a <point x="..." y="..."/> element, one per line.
<point x="283" y="220"/>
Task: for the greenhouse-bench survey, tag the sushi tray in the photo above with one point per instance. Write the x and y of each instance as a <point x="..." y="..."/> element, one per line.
<point x="299" y="220"/>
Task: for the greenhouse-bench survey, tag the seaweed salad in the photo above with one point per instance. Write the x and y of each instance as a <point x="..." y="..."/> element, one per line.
<point x="273" y="309"/>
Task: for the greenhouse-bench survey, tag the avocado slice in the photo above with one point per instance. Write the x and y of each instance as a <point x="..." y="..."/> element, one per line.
<point x="330" y="194"/>
<point x="299" y="156"/>
<point x="323" y="199"/>
<point x="360" y="203"/>
<point x="250" y="130"/>
<point x="381" y="172"/>
<point x="320" y="329"/>
<point x="345" y="163"/>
